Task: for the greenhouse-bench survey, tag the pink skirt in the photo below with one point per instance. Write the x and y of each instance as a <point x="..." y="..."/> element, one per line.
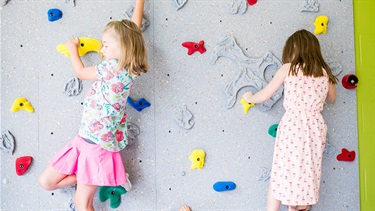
<point x="91" y="164"/>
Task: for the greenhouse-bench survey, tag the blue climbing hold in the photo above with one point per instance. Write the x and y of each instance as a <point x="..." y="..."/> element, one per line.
<point x="223" y="186"/>
<point x="139" y="105"/>
<point x="273" y="130"/>
<point x="54" y="15"/>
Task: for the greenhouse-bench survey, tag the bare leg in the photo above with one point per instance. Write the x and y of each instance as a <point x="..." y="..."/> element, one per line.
<point x="84" y="197"/>
<point x="50" y="179"/>
<point x="272" y="203"/>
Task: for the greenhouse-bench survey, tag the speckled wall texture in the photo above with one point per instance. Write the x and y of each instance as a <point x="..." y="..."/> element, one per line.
<point x="237" y="145"/>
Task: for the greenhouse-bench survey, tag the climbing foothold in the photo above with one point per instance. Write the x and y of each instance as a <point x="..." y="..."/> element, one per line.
<point x="321" y="24"/>
<point x="252" y="2"/>
<point x="251" y="71"/>
<point x="224" y="186"/>
<point x="273" y="130"/>
<point x="4" y="2"/>
<point x="264" y="174"/>
<point x="113" y="193"/>
<point x="133" y="132"/>
<point x="236" y="6"/>
<point x="22" y="103"/>
<point x="184" y="118"/>
<point x="179" y="3"/>
<point x="349" y="81"/>
<point x="197" y="159"/>
<point x="22" y="164"/>
<point x="329" y="149"/>
<point x="73" y="87"/>
<point x="73" y="2"/>
<point x="246" y="105"/>
<point x="310" y="6"/>
<point x="86" y="44"/>
<point x="346" y="155"/>
<point x="7" y="142"/>
<point x="71" y="206"/>
<point x="54" y="14"/>
<point x="129" y="14"/>
<point x="193" y="47"/>
<point x="139" y="105"/>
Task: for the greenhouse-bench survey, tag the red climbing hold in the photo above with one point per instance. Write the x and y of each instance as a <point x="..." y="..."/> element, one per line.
<point x="252" y="2"/>
<point x="346" y="155"/>
<point x="22" y="164"/>
<point x="349" y="81"/>
<point x="193" y="46"/>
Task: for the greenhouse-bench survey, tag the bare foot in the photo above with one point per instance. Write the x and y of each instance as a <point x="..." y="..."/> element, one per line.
<point x="184" y="208"/>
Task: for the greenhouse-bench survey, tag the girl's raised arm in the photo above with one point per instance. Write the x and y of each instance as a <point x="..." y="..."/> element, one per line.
<point x="138" y="12"/>
<point x="82" y="72"/>
<point x="270" y="89"/>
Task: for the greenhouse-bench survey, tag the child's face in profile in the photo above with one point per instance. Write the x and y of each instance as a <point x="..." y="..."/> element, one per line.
<point x="111" y="46"/>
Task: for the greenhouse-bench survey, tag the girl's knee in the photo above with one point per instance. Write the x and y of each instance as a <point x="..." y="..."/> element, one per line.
<point x="45" y="183"/>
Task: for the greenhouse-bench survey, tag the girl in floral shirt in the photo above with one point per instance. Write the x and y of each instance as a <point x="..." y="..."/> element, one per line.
<point x="92" y="158"/>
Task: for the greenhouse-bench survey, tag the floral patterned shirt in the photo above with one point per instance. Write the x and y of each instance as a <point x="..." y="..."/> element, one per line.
<point x="104" y="117"/>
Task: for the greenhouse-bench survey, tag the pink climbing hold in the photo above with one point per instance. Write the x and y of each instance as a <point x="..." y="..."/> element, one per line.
<point x="252" y="2"/>
<point x="193" y="47"/>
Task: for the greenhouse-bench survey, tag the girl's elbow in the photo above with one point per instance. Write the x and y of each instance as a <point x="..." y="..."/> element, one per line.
<point x="332" y="97"/>
<point x="79" y="75"/>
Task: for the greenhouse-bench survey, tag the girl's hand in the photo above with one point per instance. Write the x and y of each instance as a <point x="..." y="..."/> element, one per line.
<point x="72" y="44"/>
<point x="247" y="96"/>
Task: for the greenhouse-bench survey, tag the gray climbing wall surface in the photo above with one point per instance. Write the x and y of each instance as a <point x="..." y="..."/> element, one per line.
<point x="237" y="145"/>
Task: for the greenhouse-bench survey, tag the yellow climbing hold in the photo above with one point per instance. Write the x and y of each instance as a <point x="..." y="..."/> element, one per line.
<point x="22" y="103"/>
<point x="197" y="159"/>
<point x="246" y="105"/>
<point x="320" y="24"/>
<point x="86" y="44"/>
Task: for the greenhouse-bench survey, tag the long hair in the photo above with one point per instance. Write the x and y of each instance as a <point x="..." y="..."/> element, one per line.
<point x="133" y="49"/>
<point x="302" y="50"/>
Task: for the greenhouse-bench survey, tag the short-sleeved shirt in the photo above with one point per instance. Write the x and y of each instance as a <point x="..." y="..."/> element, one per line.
<point x="104" y="117"/>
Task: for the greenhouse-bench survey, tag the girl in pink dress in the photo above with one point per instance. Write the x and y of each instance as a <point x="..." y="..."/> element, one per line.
<point x="301" y="134"/>
<point x="92" y="158"/>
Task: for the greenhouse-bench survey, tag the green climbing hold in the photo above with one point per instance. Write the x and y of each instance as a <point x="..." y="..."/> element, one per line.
<point x="113" y="193"/>
<point x="273" y="130"/>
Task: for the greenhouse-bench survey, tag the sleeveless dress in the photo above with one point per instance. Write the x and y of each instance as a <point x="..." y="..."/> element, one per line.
<point x="300" y="141"/>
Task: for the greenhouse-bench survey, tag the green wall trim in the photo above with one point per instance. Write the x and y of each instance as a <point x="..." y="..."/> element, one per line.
<point x="364" y="36"/>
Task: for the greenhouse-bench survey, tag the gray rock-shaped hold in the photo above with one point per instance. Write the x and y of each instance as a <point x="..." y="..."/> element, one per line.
<point x="133" y="132"/>
<point x="264" y="174"/>
<point x="184" y="118"/>
<point x="72" y="1"/>
<point x="179" y="3"/>
<point x="236" y="6"/>
<point x="129" y="14"/>
<point x="4" y="2"/>
<point x="7" y="142"/>
<point x="251" y="71"/>
<point x="73" y="87"/>
<point x="310" y="6"/>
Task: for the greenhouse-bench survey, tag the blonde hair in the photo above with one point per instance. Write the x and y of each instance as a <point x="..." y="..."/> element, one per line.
<point x="302" y="50"/>
<point x="133" y="49"/>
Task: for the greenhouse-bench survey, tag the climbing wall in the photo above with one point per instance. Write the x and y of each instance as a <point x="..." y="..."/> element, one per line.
<point x="194" y="100"/>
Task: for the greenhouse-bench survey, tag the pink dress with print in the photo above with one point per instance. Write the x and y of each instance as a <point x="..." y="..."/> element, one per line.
<point x="300" y="141"/>
<point x="104" y="118"/>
